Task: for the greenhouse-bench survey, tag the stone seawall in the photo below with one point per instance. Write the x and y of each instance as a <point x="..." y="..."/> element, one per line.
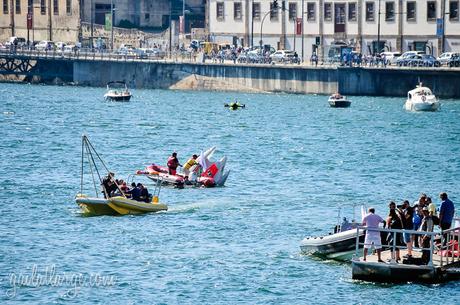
<point x="208" y="76"/>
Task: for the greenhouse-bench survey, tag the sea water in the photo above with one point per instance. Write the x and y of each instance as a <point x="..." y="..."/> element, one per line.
<point x="293" y="160"/>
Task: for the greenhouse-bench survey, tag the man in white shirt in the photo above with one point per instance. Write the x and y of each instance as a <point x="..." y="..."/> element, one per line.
<point x="372" y="221"/>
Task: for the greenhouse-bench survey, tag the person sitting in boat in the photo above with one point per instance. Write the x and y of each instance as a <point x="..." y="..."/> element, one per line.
<point x="337" y="96"/>
<point x="190" y="162"/>
<point x="173" y="163"/>
<point x="144" y="193"/>
<point x="124" y="187"/>
<point x="109" y="185"/>
<point x="135" y="192"/>
<point x="346" y="225"/>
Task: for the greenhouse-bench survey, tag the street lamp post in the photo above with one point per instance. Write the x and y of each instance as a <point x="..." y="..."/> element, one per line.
<point x="112" y="13"/>
<point x="170" y="28"/>
<point x="303" y="13"/>
<point x="252" y="24"/>
<point x="275" y="7"/>
<point x="378" y="30"/>
<point x="92" y="25"/>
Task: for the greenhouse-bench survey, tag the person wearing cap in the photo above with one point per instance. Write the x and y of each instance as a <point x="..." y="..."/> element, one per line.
<point x="426" y="226"/>
<point x="173" y="163"/>
<point x="372" y="221"/>
<point x="190" y="162"/>
<point x="446" y="212"/>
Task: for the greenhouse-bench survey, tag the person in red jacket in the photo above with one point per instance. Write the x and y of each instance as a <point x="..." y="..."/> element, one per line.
<point x="173" y="163"/>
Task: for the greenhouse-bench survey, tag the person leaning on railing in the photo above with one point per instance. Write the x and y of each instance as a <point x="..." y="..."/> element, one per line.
<point x="426" y="226"/>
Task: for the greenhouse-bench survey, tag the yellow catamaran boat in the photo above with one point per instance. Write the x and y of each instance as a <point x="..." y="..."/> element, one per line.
<point x="106" y="205"/>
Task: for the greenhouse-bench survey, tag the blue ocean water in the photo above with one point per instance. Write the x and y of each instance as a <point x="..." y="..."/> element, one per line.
<point x="293" y="162"/>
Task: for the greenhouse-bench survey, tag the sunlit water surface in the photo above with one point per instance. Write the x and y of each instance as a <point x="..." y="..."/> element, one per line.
<point x="293" y="162"/>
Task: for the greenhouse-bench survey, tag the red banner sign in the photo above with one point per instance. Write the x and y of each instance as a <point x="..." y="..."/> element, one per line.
<point x="29" y="21"/>
<point x="298" y="26"/>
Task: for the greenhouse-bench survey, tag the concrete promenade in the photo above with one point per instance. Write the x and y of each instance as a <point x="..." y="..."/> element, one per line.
<point x="183" y="73"/>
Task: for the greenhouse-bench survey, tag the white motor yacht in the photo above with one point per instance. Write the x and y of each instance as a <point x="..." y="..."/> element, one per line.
<point x="117" y="91"/>
<point x="338" y="101"/>
<point x="421" y="99"/>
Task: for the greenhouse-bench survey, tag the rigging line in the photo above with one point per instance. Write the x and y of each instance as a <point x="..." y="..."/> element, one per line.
<point x="82" y="160"/>
<point x="94" y="162"/>
<point x="99" y="157"/>
<point x="97" y="170"/>
<point x="91" y="170"/>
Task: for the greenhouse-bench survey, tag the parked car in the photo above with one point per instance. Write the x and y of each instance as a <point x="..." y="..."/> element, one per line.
<point x="454" y="61"/>
<point x="390" y="57"/>
<point x="445" y="57"/>
<point x="16" y="41"/>
<point x="60" y="46"/>
<point x="284" y="56"/>
<point x="406" y="57"/>
<point x="45" y="45"/>
<point x="430" y="61"/>
<point x="70" y="49"/>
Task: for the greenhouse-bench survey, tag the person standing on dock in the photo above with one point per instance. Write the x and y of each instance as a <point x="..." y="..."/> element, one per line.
<point x="372" y="221"/>
<point x="446" y="212"/>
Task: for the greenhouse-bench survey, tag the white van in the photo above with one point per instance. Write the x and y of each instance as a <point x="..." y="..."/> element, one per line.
<point x="390" y="57"/>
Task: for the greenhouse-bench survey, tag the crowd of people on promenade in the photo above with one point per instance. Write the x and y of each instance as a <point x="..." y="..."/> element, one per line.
<point x="423" y="216"/>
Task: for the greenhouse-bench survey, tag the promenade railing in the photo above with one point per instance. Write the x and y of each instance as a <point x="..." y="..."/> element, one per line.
<point x="176" y="56"/>
<point x="443" y="243"/>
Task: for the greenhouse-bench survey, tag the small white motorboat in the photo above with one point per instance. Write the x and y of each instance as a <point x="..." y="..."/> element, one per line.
<point x="117" y="91"/>
<point x="339" y="244"/>
<point x="339" y="101"/>
<point x="421" y="99"/>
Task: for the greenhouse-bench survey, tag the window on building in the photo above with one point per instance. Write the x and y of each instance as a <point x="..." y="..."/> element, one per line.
<point x="431" y="10"/>
<point x="273" y="12"/>
<point x="327" y="11"/>
<point x="411" y="10"/>
<point x="292" y="11"/>
<point x="256" y="10"/>
<point x="68" y="7"/>
<point x="147" y="17"/>
<point x="370" y="14"/>
<point x="389" y="11"/>
<point x="18" y="6"/>
<point x="56" y="7"/>
<point x="453" y="10"/>
<point x="237" y="11"/>
<point x="220" y="10"/>
<point x="352" y="11"/>
<point x="311" y="11"/>
<point x="42" y="7"/>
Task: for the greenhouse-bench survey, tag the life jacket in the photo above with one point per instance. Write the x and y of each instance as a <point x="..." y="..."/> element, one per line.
<point x="189" y="163"/>
<point x="172" y="162"/>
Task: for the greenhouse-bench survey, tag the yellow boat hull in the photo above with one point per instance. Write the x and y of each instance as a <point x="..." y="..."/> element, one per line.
<point x="116" y="206"/>
<point x="128" y="206"/>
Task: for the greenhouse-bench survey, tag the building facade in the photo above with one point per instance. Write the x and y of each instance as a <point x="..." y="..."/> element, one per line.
<point x="309" y="26"/>
<point x="73" y="20"/>
<point x="36" y="20"/>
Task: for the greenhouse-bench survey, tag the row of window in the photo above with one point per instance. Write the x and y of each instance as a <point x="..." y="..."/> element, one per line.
<point x="390" y="11"/>
<point x="30" y="6"/>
